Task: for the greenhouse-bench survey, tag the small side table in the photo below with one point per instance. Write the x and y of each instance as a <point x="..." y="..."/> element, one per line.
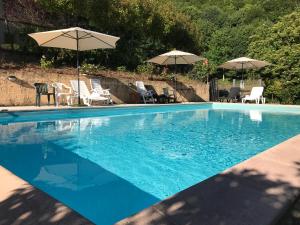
<point x="263" y="100"/>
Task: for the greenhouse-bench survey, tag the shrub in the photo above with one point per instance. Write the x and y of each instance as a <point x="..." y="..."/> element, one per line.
<point x="145" y="68"/>
<point x="121" y="68"/>
<point x="46" y="63"/>
<point x="89" y="68"/>
<point x="199" y="72"/>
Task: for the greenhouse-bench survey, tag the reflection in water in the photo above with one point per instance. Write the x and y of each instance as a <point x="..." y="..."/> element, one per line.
<point x="100" y="195"/>
<point x="108" y="168"/>
<point x="255" y="115"/>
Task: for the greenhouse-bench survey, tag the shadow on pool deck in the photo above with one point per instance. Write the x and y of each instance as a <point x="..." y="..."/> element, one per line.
<point x="28" y="206"/>
<point x="255" y="192"/>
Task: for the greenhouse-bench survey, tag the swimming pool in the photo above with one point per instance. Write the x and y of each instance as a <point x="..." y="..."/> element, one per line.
<point x="110" y="163"/>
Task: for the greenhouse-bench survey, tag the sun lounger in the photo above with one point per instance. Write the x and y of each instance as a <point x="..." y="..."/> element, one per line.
<point x="255" y="95"/>
<point x="85" y="94"/>
<point x="146" y="95"/>
<point x="234" y="94"/>
<point x="97" y="88"/>
<point x="171" y="97"/>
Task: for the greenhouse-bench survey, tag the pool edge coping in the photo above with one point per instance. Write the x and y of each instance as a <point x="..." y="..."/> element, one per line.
<point x="13" y="109"/>
<point x="60" y="108"/>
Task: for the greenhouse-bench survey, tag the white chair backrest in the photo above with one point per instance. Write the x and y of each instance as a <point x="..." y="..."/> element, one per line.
<point x="96" y="85"/>
<point x="58" y="87"/>
<point x="140" y="87"/>
<point x="256" y="92"/>
<point x="84" y="91"/>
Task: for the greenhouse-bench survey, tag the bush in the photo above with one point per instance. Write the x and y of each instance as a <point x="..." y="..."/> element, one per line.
<point x="145" y="68"/>
<point x="89" y="68"/>
<point x="121" y="68"/>
<point x="280" y="45"/>
<point x="200" y="71"/>
<point x="46" y="63"/>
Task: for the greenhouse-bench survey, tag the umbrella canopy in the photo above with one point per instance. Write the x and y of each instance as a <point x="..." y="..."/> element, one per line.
<point x="175" y="57"/>
<point x="244" y="63"/>
<point x="75" y="38"/>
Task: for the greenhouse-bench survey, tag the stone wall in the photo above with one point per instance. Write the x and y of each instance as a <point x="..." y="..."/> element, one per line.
<point x="22" y="92"/>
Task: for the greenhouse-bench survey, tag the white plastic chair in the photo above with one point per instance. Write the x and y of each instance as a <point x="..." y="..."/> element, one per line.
<point x="145" y="94"/>
<point x="255" y="95"/>
<point x="85" y="95"/>
<point x="96" y="87"/>
<point x="62" y="90"/>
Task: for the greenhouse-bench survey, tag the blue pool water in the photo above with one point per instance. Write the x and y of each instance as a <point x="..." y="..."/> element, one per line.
<point x="110" y="163"/>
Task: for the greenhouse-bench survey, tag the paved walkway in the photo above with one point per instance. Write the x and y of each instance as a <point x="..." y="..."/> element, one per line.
<point x="22" y="204"/>
<point x="255" y="192"/>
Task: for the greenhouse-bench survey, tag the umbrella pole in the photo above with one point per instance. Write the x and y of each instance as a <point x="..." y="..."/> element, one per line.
<point x="175" y="73"/>
<point x="242" y="71"/>
<point x="243" y="76"/>
<point x="78" y="72"/>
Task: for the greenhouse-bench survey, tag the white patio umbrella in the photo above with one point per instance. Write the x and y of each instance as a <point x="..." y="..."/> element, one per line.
<point x="244" y="63"/>
<point x="75" y="38"/>
<point x="175" y="57"/>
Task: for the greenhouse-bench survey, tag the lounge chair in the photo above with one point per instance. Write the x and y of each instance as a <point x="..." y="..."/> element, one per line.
<point x="96" y="87"/>
<point x="62" y="90"/>
<point x="223" y="95"/>
<point x="146" y="95"/>
<point x="85" y="95"/>
<point x="171" y="97"/>
<point x="234" y="94"/>
<point x="255" y="95"/>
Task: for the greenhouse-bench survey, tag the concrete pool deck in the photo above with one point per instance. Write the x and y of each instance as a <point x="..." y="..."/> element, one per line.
<point x="23" y="204"/>
<point x="255" y="192"/>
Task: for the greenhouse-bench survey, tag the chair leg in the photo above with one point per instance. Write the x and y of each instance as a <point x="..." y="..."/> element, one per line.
<point x="86" y="101"/>
<point x="69" y="100"/>
<point x="36" y="100"/>
<point x="39" y="100"/>
<point x="54" y="99"/>
<point x="57" y="101"/>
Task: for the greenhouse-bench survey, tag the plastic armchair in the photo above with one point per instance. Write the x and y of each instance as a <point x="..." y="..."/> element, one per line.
<point x="61" y="91"/>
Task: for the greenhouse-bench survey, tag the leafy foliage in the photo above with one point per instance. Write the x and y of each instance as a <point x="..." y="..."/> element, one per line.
<point x="46" y="63"/>
<point x="218" y="30"/>
<point x="280" y="45"/>
<point x="90" y="68"/>
<point x="146" y="68"/>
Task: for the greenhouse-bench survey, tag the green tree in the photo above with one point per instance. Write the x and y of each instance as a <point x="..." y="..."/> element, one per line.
<point x="280" y="45"/>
